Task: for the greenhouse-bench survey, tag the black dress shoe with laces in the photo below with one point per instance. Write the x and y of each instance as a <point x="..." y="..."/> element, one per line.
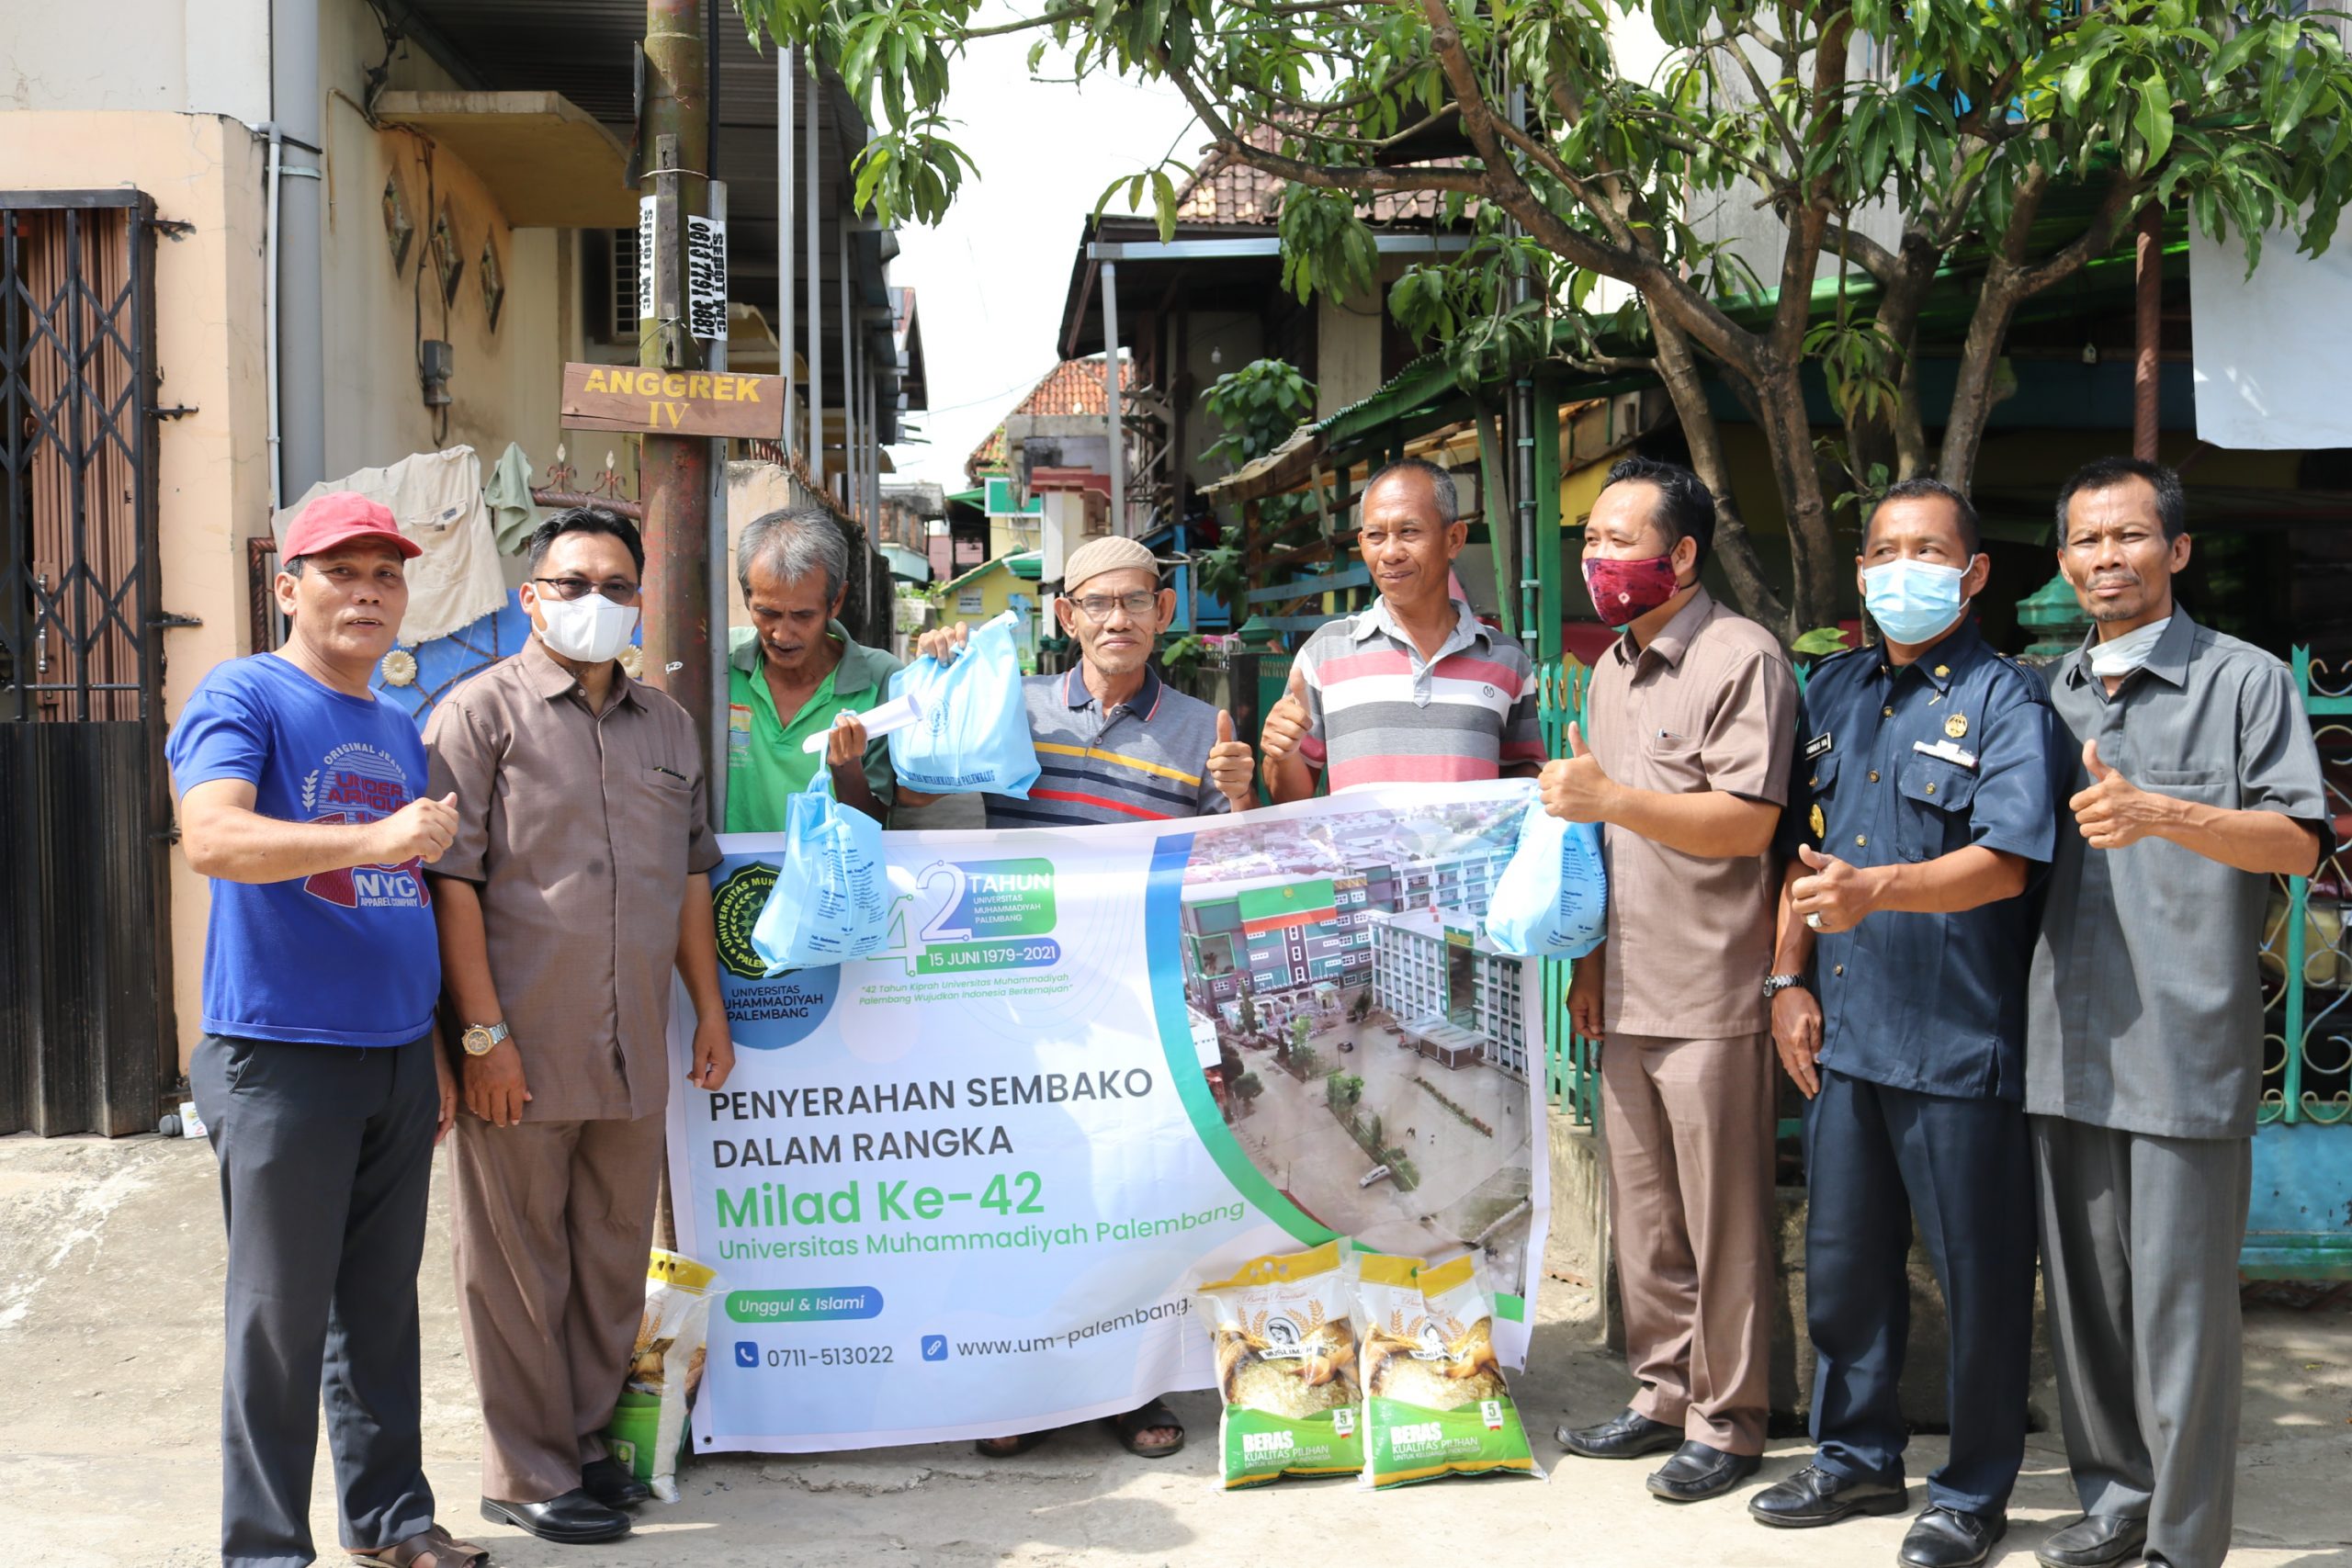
<point x="1697" y="1472"/>
<point x="609" y="1483"/>
<point x="573" y="1520"/>
<point x="2095" y="1540"/>
<point x="1946" y="1538"/>
<point x="1814" y="1496"/>
<point x="1626" y="1435"/>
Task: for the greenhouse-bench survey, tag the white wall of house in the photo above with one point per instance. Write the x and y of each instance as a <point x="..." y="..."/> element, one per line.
<point x="507" y="382"/>
<point x="1235" y="339"/>
<point x="1347" y="349"/>
<point x="177" y="56"/>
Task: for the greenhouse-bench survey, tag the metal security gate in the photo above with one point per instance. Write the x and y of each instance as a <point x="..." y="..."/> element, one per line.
<point x="87" y="1032"/>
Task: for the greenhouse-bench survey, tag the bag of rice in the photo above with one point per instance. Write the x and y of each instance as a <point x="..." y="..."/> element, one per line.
<point x="649" y="1425"/>
<point x="1285" y="1367"/>
<point x="1435" y="1403"/>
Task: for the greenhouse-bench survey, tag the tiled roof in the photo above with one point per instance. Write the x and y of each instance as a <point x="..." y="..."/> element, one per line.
<point x="1224" y="189"/>
<point x="1072" y="388"/>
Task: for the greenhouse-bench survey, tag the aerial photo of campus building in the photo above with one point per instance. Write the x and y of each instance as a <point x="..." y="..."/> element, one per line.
<point x="1372" y="1043"/>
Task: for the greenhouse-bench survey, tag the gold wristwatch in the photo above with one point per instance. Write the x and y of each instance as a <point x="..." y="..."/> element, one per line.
<point x="481" y="1039"/>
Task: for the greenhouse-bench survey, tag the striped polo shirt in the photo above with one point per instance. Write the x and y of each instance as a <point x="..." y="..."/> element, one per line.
<point x="1145" y="760"/>
<point x="1382" y="715"/>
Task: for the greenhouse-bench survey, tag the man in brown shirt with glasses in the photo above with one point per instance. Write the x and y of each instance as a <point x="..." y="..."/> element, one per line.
<point x="575" y="884"/>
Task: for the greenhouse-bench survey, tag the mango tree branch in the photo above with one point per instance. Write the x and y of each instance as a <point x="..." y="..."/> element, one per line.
<point x="1678" y="367"/>
<point x="1790" y="143"/>
<point x="1502" y="186"/>
<point x="1323" y="177"/>
<point x="1801" y="257"/>
<point x="2009" y="283"/>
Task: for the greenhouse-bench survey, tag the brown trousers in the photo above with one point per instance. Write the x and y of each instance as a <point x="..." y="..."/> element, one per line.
<point x="553" y="1222"/>
<point x="1689" y="1128"/>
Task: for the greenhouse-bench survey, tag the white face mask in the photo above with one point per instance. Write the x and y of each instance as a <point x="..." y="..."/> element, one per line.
<point x="591" y="628"/>
<point x="2118" y="656"/>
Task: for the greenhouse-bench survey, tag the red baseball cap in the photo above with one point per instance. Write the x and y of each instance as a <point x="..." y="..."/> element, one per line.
<point x="337" y="518"/>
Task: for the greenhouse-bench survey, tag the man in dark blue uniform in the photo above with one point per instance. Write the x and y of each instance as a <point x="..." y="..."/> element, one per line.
<point x="1921" y="818"/>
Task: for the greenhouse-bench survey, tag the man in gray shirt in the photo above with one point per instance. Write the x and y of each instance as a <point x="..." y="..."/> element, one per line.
<point x="2198" y="781"/>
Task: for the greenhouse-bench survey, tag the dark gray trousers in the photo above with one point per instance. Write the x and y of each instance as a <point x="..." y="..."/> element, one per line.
<point x="326" y="1158"/>
<point x="2140" y="1242"/>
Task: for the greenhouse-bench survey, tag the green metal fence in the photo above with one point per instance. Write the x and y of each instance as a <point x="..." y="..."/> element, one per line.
<point x="1571" y="1063"/>
<point x="2306" y="957"/>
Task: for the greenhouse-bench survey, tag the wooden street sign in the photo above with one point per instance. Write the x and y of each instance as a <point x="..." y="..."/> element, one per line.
<point x="673" y="403"/>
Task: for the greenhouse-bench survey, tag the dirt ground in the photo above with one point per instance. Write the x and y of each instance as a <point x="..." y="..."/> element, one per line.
<point x="110" y="1325"/>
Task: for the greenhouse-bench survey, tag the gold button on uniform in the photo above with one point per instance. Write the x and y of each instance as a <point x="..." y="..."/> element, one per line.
<point x="1886" y="712"/>
<point x="1840" y="969"/>
<point x="1861" y="841"/>
<point x="1932" y="789"/>
<point x="1873" y="775"/>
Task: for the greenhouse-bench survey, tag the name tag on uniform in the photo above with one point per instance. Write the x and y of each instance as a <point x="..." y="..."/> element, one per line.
<point x="1946" y="751"/>
<point x="1817" y="746"/>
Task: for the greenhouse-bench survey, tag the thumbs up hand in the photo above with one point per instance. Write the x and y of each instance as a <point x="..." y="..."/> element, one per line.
<point x="1288" y="722"/>
<point x="2113" y="811"/>
<point x="1576" y="788"/>
<point x="1837" y="896"/>
<point x="1230" y="765"/>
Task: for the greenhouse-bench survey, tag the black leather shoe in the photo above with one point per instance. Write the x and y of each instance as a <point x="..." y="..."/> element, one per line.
<point x="2095" y="1540"/>
<point x="1814" y="1496"/>
<point x="573" y="1519"/>
<point x="1626" y="1435"/>
<point x="609" y="1483"/>
<point x="1946" y="1538"/>
<point x="1697" y="1472"/>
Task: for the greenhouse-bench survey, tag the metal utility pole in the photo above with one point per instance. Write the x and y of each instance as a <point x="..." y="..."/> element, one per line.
<point x="1114" y="417"/>
<point x="1524" y="436"/>
<point x="815" y="190"/>
<point x="675" y="471"/>
<point x="787" y="330"/>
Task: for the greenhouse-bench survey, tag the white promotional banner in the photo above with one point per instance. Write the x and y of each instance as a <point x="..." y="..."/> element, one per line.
<point x="963" y="1187"/>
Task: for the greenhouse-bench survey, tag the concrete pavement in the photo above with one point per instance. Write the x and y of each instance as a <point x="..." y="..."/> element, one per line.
<point x="109" y="1333"/>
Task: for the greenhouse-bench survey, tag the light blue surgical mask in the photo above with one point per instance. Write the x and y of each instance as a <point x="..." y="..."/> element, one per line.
<point x="1913" y="601"/>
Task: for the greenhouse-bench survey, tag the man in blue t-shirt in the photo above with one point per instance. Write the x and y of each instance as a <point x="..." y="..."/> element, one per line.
<point x="319" y="1077"/>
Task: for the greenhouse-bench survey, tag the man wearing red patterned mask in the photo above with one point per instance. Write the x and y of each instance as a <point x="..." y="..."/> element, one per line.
<point x="1692" y="715"/>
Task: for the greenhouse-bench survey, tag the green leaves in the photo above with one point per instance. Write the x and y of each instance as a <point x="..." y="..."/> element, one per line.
<point x="1863" y="366"/>
<point x="1163" y="195"/>
<point x="1820" y="640"/>
<point x="1326" y="246"/>
<point x="1258" y="405"/>
<point x="910" y="175"/>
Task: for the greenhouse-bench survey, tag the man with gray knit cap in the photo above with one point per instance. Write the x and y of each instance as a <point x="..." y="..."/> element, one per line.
<point x="1114" y="744"/>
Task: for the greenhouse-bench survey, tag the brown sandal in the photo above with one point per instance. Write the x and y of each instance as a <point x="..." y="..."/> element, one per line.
<point x="446" y="1550"/>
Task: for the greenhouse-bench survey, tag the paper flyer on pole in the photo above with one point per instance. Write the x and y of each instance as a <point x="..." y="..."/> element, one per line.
<point x="962" y="1189"/>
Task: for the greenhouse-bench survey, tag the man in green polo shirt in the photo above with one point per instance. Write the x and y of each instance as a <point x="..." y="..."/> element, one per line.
<point x="794" y="672"/>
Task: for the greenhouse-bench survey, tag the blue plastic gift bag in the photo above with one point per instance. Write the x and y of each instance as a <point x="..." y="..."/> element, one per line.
<point x="1552" y="900"/>
<point x="831" y="899"/>
<point x="973" y="735"/>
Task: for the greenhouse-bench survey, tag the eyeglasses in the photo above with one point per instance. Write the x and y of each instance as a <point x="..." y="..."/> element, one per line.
<point x="568" y="588"/>
<point x="1097" y="607"/>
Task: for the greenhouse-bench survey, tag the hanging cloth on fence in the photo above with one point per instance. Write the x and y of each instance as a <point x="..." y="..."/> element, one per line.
<point x="507" y="494"/>
<point x="437" y="498"/>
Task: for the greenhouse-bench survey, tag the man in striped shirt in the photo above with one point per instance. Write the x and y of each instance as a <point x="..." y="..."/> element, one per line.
<point x="1114" y="744"/>
<point x="1415" y="690"/>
